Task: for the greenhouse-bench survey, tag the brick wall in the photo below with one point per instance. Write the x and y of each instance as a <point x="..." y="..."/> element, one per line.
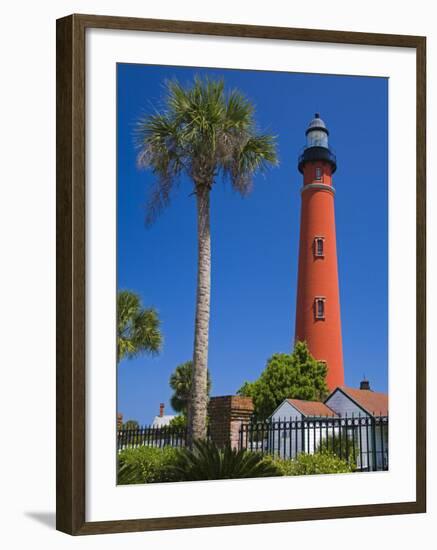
<point x="226" y="413"/>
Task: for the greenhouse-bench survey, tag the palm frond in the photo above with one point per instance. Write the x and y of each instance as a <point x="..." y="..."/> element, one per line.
<point x="239" y="112"/>
<point x="181" y="384"/>
<point x="158" y="140"/>
<point x="255" y="155"/>
<point x="207" y="461"/>
<point x="138" y="328"/>
<point x="201" y="131"/>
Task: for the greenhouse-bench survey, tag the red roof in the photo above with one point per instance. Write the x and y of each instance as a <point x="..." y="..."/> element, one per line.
<point x="373" y="402"/>
<point x="311" y="408"/>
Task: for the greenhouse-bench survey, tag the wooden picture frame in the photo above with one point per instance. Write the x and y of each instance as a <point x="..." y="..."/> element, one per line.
<point x="71" y="283"/>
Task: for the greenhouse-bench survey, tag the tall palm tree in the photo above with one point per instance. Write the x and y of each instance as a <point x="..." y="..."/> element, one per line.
<point x="204" y="133"/>
<point x="138" y="328"/>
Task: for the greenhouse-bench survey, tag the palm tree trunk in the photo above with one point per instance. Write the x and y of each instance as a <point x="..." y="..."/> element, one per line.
<point x="199" y="393"/>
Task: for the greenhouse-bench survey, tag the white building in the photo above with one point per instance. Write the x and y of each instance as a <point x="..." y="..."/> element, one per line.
<point x="369" y="410"/>
<point x="354" y="419"/>
<point x="161" y="419"/>
<point x="300" y="426"/>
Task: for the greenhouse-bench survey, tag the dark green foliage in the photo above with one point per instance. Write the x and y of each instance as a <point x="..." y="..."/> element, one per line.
<point x="287" y="376"/>
<point x="180" y="383"/>
<point x="130" y="425"/>
<point x="206" y="461"/>
<point x="179" y="421"/>
<point x="307" y="464"/>
<point x="145" y="465"/>
<point x="138" y="328"/>
<point x="204" y="132"/>
<point x="342" y="447"/>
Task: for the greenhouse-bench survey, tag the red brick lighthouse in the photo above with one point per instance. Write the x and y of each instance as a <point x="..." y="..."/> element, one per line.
<point x="318" y="302"/>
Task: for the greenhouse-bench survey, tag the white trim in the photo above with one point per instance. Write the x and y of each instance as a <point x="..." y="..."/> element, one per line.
<point x="320" y="186"/>
<point x="280" y="405"/>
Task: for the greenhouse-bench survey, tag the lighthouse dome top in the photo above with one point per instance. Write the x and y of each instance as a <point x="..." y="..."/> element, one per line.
<point x="317" y="144"/>
<point x="317" y="124"/>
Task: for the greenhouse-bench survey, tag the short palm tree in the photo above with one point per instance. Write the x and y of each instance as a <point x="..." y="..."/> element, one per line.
<point x="204" y="133"/>
<point x="181" y="381"/>
<point x="138" y="328"/>
<point x="206" y="461"/>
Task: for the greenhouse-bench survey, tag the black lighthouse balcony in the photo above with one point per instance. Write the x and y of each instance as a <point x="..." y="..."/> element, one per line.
<point x="311" y="154"/>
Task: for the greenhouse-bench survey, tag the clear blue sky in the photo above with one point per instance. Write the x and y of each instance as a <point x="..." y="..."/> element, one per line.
<point x="255" y="239"/>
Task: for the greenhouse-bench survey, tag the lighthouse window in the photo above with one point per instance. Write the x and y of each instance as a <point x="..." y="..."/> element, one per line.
<point x="318" y="173"/>
<point x="319" y="308"/>
<point x="317" y="138"/>
<point x="319" y="247"/>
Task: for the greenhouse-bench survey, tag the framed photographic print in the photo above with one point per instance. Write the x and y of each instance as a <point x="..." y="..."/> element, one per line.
<point x="240" y="274"/>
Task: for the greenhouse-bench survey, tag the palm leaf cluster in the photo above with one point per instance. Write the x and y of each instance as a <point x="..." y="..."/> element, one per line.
<point x="181" y="381"/>
<point x="201" y="131"/>
<point x="138" y="328"/>
<point x="128" y="474"/>
<point x="207" y="461"/>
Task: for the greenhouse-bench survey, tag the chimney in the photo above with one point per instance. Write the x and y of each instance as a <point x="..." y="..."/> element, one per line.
<point x="161" y="409"/>
<point x="364" y="384"/>
<point x="119" y="421"/>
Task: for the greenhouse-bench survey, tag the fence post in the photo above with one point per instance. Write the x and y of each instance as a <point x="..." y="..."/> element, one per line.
<point x="240" y="445"/>
<point x="375" y="463"/>
<point x="303" y="434"/>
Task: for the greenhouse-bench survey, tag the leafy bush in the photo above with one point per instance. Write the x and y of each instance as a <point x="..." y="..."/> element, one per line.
<point x="307" y="464"/>
<point x="341" y="447"/>
<point x="145" y="465"/>
<point x="179" y="421"/>
<point x="207" y="461"/>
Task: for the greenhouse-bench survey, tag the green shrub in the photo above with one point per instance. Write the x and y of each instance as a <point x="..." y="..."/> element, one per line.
<point x="179" y="421"/>
<point x="207" y="461"/>
<point x="342" y="447"/>
<point x="145" y="465"/>
<point x="307" y="464"/>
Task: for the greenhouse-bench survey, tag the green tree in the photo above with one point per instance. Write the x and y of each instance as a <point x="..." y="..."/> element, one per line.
<point x="130" y="425"/>
<point x="181" y="384"/>
<point x="206" y="134"/>
<point x="179" y="421"/>
<point x="138" y="328"/>
<point x="287" y="376"/>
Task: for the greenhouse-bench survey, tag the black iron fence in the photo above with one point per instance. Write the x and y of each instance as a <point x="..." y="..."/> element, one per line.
<point x="360" y="439"/>
<point x="152" y="436"/>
